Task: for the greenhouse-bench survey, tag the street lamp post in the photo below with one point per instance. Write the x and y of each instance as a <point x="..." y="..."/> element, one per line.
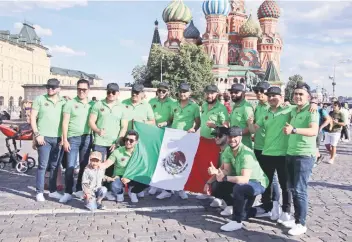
<point x="333" y="77"/>
<point x="161" y="69"/>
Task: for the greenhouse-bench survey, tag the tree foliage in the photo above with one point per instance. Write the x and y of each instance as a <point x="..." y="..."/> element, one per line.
<point x="290" y="87"/>
<point x="190" y="64"/>
<point x="140" y="75"/>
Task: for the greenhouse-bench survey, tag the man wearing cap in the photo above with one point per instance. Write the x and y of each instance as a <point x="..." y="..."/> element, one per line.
<point x="162" y="106"/>
<point x="302" y="131"/>
<point x="241" y="111"/>
<point x="243" y="170"/>
<point x="213" y="114"/>
<point x="273" y="157"/>
<point x="185" y="116"/>
<point x="108" y="124"/>
<point x="136" y="109"/>
<point x="46" y="122"/>
<point x="76" y="136"/>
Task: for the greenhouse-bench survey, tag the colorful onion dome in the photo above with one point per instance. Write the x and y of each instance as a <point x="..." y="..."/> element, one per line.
<point x="191" y="32"/>
<point x="268" y="9"/>
<point x="216" y="7"/>
<point x="177" y="11"/>
<point x="250" y="28"/>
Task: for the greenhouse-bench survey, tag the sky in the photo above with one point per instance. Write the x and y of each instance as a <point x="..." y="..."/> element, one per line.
<point x="109" y="38"/>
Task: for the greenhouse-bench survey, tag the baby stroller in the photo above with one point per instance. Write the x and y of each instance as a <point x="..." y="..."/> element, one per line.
<point x="21" y="163"/>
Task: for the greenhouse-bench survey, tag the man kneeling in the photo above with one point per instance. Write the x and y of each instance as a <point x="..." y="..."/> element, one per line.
<point x="249" y="179"/>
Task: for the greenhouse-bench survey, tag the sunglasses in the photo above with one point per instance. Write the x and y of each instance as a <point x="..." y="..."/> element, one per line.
<point x="82" y="89"/>
<point x="51" y="87"/>
<point x="131" y="141"/>
<point x="111" y="92"/>
<point x="235" y="92"/>
<point x="135" y="93"/>
<point x="261" y="90"/>
<point x="183" y="91"/>
<point x="161" y="91"/>
<point x="219" y="136"/>
<point x="299" y="94"/>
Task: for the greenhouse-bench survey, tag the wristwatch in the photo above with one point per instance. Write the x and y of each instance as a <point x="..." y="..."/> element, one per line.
<point x="294" y="130"/>
<point x="36" y="134"/>
<point x="224" y="179"/>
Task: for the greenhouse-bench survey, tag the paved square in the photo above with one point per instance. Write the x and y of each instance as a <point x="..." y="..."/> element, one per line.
<point x="23" y="219"/>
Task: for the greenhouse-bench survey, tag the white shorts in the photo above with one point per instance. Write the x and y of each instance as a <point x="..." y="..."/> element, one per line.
<point x="332" y="138"/>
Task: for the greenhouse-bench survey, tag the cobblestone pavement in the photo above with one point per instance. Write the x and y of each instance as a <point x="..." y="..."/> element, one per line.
<point x="22" y="219"/>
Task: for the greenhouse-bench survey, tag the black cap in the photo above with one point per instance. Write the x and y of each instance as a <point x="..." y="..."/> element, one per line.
<point x="211" y="88"/>
<point x="237" y="87"/>
<point x="164" y="85"/>
<point x="262" y="85"/>
<point x="220" y="131"/>
<point x="113" y="87"/>
<point x="235" y="131"/>
<point x="53" y="82"/>
<point x="273" y="90"/>
<point x="137" y="88"/>
<point x="303" y="86"/>
<point x="184" y="87"/>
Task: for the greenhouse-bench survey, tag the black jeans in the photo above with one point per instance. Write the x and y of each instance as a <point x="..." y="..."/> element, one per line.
<point x="345" y="132"/>
<point x="223" y="190"/>
<point x="269" y="165"/>
<point x="117" y="187"/>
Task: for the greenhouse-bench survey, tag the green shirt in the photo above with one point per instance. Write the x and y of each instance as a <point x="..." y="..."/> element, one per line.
<point x="299" y="144"/>
<point x="108" y="119"/>
<point x="49" y="119"/>
<point x="341" y="118"/>
<point x="162" y="110"/>
<point x="140" y="112"/>
<point x="239" y="117"/>
<point x="217" y="114"/>
<point x="120" y="157"/>
<point x="183" y="118"/>
<point x="245" y="159"/>
<point x="259" y="136"/>
<point x="273" y="123"/>
<point x="79" y="117"/>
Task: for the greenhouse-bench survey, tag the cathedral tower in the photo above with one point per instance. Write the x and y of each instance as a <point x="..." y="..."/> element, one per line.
<point x="176" y="16"/>
<point x="270" y="46"/>
<point x="215" y="38"/>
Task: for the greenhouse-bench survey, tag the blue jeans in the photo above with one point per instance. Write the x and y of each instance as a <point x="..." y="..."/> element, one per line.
<point x="49" y="155"/>
<point x="100" y="193"/>
<point x="243" y="199"/>
<point x="117" y="187"/>
<point x="299" y="168"/>
<point x="80" y="145"/>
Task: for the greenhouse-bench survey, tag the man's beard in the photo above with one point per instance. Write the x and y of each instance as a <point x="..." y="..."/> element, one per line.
<point x="226" y="99"/>
<point x="211" y="102"/>
<point x="236" y="99"/>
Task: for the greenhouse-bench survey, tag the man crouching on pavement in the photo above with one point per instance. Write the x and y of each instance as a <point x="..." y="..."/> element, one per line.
<point x="248" y="177"/>
<point x="92" y="179"/>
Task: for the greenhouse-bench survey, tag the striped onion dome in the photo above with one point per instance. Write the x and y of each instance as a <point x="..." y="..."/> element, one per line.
<point x="177" y="11"/>
<point x="250" y="28"/>
<point x="216" y="7"/>
<point x="268" y="9"/>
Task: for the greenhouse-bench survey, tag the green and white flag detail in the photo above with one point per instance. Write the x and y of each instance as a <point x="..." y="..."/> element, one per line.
<point x="163" y="158"/>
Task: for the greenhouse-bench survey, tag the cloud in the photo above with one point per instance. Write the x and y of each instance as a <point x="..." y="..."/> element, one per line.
<point x="57" y="49"/>
<point x="348" y="74"/>
<point x="127" y="42"/>
<point x="38" y="29"/>
<point x="310" y="64"/>
<point x="145" y="59"/>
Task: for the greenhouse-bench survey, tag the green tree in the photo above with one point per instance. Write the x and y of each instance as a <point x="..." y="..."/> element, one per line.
<point x="190" y="64"/>
<point x="140" y="75"/>
<point x="293" y="81"/>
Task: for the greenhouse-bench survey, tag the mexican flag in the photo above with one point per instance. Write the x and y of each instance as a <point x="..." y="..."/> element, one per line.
<point x="171" y="159"/>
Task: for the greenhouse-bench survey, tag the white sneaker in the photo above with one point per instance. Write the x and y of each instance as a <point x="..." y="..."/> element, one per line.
<point x="133" y="197"/>
<point x="164" y="194"/>
<point x="297" y="230"/>
<point x="331" y="161"/>
<point x="261" y="213"/>
<point x="289" y="224"/>
<point x="275" y="212"/>
<point x="40" y="197"/>
<point x="217" y="202"/>
<point x="227" y="211"/>
<point x="110" y="197"/>
<point x="65" y="198"/>
<point x="79" y="194"/>
<point x="152" y="190"/>
<point x="183" y="195"/>
<point x="141" y="194"/>
<point x="202" y="196"/>
<point x="284" y="217"/>
<point x="231" y="226"/>
<point x="120" y="198"/>
<point x="55" y="195"/>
